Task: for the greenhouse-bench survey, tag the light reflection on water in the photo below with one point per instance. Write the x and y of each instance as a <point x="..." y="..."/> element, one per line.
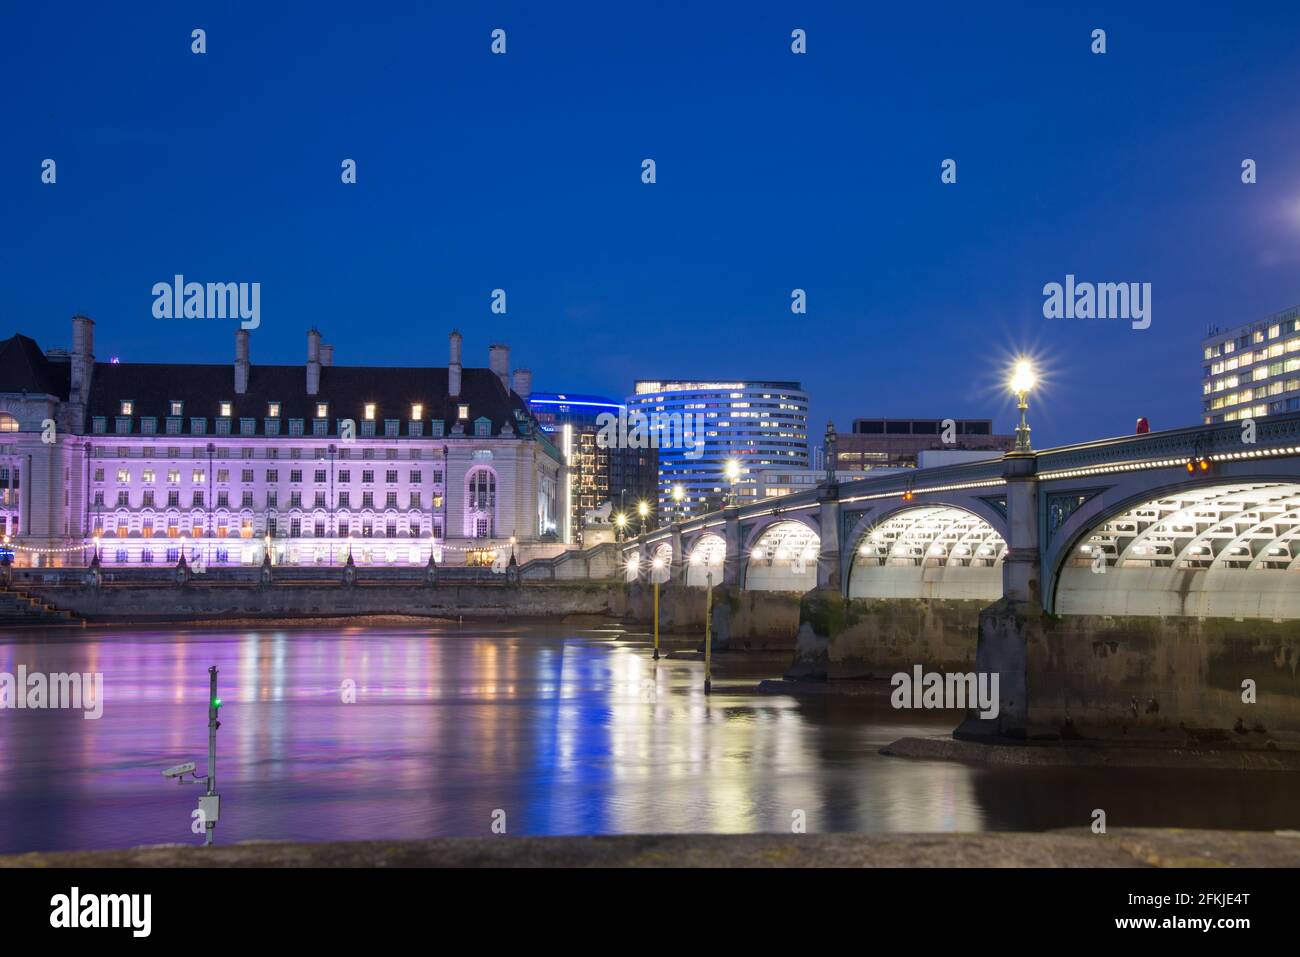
<point x="566" y="730"/>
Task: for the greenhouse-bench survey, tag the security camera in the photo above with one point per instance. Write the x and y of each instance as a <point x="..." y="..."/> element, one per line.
<point x="180" y="770"/>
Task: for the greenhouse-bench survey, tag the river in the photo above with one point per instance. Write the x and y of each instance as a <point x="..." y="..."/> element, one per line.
<point x="540" y="729"/>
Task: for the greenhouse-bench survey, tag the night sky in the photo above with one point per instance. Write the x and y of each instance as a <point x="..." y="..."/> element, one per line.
<point x="775" y="171"/>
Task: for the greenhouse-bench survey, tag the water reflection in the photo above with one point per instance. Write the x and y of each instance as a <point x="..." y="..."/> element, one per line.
<point x="565" y="731"/>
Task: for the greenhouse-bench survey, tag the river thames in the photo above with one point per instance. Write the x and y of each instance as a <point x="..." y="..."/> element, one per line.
<point x="544" y="729"/>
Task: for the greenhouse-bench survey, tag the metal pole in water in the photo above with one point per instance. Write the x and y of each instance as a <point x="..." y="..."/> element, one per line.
<point x="708" y="637"/>
<point x="656" y="620"/>
<point x="214" y="706"/>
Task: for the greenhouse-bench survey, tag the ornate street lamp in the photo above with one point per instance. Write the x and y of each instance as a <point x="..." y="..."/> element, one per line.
<point x="1022" y="381"/>
<point x="679" y="493"/>
<point x="733" y="475"/>
<point x="643" y="510"/>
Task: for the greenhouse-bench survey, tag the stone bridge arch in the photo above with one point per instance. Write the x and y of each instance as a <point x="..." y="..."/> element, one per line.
<point x="927" y="549"/>
<point x="1225" y="546"/>
<point x="705" y="554"/>
<point x="781" y="555"/>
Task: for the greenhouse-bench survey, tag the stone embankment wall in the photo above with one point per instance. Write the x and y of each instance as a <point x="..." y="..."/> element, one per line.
<point x="203" y="602"/>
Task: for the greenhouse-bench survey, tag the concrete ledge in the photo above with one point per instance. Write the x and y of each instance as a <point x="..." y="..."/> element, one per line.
<point x="1094" y="755"/>
<point x="1074" y="847"/>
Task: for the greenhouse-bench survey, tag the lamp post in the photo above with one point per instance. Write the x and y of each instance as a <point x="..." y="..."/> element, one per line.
<point x="679" y="493"/>
<point x="620" y="522"/>
<point x="733" y="474"/>
<point x="643" y="510"/>
<point x="1022" y="381"/>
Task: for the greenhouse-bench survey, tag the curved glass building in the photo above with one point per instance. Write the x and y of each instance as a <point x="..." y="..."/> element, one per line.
<point x="703" y="424"/>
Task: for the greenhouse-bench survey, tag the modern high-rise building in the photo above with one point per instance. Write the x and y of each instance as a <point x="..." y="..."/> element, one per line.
<point x="756" y="424"/>
<point x="228" y="464"/>
<point x="895" y="443"/>
<point x="621" y="476"/>
<point x="1252" y="370"/>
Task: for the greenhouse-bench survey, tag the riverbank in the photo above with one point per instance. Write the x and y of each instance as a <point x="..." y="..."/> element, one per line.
<point x="1074" y="847"/>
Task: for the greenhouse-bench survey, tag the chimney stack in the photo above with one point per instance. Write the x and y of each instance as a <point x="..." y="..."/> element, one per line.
<point x="499" y="363"/>
<point x="83" y="357"/>
<point x="313" y="362"/>
<point x="523" y="383"/>
<point x="326" y="356"/>
<point x="241" y="361"/>
<point x="453" y="366"/>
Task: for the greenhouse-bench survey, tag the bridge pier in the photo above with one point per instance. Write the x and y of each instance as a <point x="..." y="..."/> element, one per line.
<point x="1006" y="626"/>
<point x="829" y="563"/>
<point x="731" y="566"/>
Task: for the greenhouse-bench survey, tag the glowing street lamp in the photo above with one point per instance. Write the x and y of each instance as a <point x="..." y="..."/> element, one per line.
<point x="1022" y="381"/>
<point x="620" y="520"/>
<point x="679" y="493"/>
<point x="643" y="510"/>
<point x="733" y="475"/>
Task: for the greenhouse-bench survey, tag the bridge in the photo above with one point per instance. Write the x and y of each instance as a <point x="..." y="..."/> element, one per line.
<point x="1188" y="525"/>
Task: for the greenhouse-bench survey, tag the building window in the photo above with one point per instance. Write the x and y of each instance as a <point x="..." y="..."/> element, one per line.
<point x="482" y="427"/>
<point x="224" y="410"/>
<point x="462" y="412"/>
<point x="148" y="426"/>
<point x="273" y="410"/>
<point x="223" y="426"/>
<point x="176" y="408"/>
<point x="198" y="426"/>
<point x="127" y="407"/>
<point x="417" y="412"/>
<point x="122" y="425"/>
<point x="173" y="425"/>
<point x="368" y="429"/>
<point x="370" y="411"/>
<point x="436" y="428"/>
<point x="248" y="426"/>
<point x="9" y="424"/>
<point x="391" y="428"/>
<point x="320" y="427"/>
<point x="272" y="426"/>
<point x="295" y="427"/>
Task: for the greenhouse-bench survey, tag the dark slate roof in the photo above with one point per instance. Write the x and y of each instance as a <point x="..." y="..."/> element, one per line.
<point x="347" y="389"/>
<point x="24" y="368"/>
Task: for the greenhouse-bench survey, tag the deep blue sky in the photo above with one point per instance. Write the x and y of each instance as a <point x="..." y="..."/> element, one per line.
<point x="775" y="171"/>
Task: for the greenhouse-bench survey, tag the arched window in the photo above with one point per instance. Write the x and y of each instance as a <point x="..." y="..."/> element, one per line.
<point x="480" y="503"/>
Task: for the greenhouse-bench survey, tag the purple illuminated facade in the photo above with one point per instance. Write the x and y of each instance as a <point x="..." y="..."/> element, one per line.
<point x="146" y="462"/>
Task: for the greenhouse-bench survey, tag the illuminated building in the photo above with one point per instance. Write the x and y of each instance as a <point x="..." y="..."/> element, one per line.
<point x="225" y="462"/>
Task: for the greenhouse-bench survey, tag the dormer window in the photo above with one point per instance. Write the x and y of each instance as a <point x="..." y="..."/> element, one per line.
<point x="273" y="410"/>
<point x="322" y="410"/>
<point x="370" y="412"/>
<point x="417" y="412"/>
<point x="128" y="407"/>
<point x="224" y="411"/>
<point x="176" y="408"/>
<point x="462" y="412"/>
